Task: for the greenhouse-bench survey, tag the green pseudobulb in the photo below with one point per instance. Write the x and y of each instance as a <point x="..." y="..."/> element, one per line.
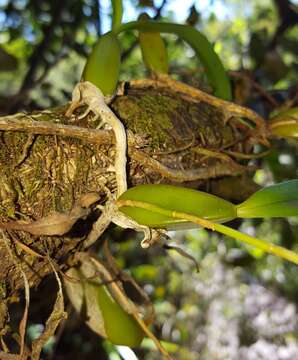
<point x="279" y="200"/>
<point x="175" y="198"/>
<point x="103" y="64"/>
<point x="121" y="328"/>
<point x="100" y="310"/>
<point x="213" y="66"/>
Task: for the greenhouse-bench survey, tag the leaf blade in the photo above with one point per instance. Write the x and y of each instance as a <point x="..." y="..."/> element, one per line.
<point x="214" y="68"/>
<point x="279" y="200"/>
<point x="154" y="52"/>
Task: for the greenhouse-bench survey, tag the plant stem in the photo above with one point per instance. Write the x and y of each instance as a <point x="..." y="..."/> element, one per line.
<point x="260" y="244"/>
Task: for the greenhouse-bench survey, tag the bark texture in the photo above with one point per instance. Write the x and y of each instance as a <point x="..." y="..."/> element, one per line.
<point x="47" y="161"/>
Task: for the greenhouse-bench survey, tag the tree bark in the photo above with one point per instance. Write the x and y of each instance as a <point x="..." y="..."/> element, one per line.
<point x="48" y="161"/>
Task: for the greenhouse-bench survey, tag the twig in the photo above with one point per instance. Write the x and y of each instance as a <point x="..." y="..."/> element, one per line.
<point x="290" y="102"/>
<point x="183" y="253"/>
<point x="218" y="169"/>
<point x="27" y="249"/>
<point x="37" y="57"/>
<point x="24" y="123"/>
<point x="257" y="86"/>
<point x="23" y="322"/>
<point x="123" y="276"/>
<point x="26" y="148"/>
<point x="240" y="155"/>
<point x="213" y="154"/>
<point x="53" y="321"/>
<point x="288" y="17"/>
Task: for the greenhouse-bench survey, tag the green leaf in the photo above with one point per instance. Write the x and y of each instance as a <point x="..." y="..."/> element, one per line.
<point x="120" y="327"/>
<point x="175" y="198"/>
<point x="93" y="300"/>
<point x="117" y="14"/>
<point x="103" y="64"/>
<point x="278" y="200"/>
<point x="285" y="124"/>
<point x="153" y="48"/>
<point x="214" y="68"/>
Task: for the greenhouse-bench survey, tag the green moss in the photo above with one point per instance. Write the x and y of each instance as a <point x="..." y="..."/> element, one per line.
<point x="149" y="114"/>
<point x="54" y="115"/>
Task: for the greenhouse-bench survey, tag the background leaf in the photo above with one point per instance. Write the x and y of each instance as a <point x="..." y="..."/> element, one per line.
<point x="213" y="66"/>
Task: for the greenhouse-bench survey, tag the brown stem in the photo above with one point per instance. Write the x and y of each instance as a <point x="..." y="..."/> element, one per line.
<point x="212" y="171"/>
<point x="25" y="123"/>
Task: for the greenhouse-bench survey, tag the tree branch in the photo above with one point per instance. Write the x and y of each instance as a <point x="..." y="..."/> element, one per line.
<point x="288" y="17"/>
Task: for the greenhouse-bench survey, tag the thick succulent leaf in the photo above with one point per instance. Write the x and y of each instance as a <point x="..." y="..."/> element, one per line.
<point x="153" y="48"/>
<point x="279" y="200"/>
<point x="117" y="14"/>
<point x="175" y="198"/>
<point x="103" y="64"/>
<point x="214" y="68"/>
<point x="120" y="327"/>
<point x="285" y="124"/>
<point x="103" y="314"/>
